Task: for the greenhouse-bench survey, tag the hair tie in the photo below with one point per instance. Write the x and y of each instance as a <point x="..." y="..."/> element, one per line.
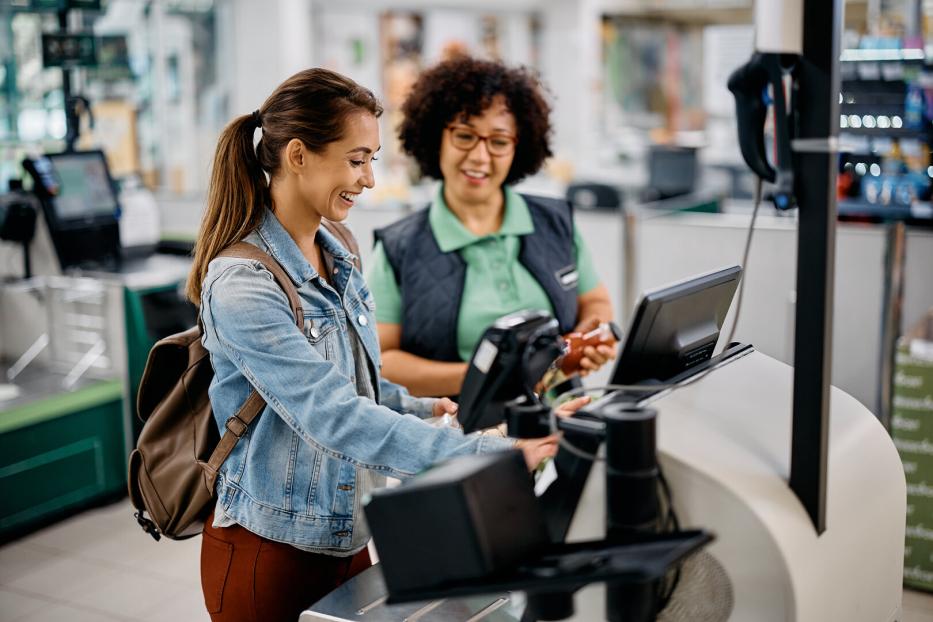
<point x="257" y="119"/>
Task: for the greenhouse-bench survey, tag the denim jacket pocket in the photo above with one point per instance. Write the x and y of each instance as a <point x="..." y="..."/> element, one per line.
<point x="336" y="489"/>
<point x="319" y="330"/>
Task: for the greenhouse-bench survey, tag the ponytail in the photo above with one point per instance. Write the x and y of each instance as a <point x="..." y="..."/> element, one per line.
<point x="235" y="202"/>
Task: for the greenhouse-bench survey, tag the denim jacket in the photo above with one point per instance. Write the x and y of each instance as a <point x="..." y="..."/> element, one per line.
<point x="295" y="475"/>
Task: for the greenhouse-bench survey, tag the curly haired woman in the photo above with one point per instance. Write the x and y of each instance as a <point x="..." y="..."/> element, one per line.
<point x="480" y="250"/>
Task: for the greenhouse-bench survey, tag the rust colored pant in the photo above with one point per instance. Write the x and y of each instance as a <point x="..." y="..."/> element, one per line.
<point x="247" y="578"/>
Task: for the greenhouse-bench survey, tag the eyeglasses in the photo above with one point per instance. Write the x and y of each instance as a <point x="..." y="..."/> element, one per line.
<point x="465" y="139"/>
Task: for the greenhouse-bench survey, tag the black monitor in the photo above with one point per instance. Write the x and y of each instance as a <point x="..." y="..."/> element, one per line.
<point x="80" y="205"/>
<point x="672" y="171"/>
<point x="676" y="327"/>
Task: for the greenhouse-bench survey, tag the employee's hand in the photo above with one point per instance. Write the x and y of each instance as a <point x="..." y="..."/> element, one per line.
<point x="537" y="449"/>
<point x="568" y="408"/>
<point x="593" y="358"/>
<point x="444" y="406"/>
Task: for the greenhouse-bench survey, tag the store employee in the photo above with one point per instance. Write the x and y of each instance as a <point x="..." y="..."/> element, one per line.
<point x="441" y="276"/>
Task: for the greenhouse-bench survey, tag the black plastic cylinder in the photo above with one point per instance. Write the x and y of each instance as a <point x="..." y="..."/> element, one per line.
<point x="527" y="419"/>
<point x="631" y="501"/>
<point x="631" y="602"/>
<point x="631" y="472"/>
<point x="549" y="606"/>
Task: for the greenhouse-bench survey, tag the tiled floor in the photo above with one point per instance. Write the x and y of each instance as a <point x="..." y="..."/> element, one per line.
<point x="99" y="567"/>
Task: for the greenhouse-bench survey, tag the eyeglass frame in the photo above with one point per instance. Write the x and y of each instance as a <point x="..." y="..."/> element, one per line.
<point x="481" y="138"/>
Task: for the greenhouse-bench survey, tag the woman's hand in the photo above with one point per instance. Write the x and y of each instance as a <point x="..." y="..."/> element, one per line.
<point x="537" y="449"/>
<point x="444" y="406"/>
<point x="593" y="358"/>
<point x="568" y="408"/>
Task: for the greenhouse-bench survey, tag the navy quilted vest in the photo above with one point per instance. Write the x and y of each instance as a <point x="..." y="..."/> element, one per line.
<point x="431" y="281"/>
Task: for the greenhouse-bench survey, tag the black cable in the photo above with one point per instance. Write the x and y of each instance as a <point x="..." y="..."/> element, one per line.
<point x="748" y="246"/>
<point x="670" y="523"/>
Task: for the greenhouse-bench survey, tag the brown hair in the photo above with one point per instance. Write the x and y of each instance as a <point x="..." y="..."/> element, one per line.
<point x="463" y="87"/>
<point x="312" y="106"/>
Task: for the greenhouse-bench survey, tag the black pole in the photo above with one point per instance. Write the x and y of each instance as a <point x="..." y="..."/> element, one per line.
<point x="72" y="127"/>
<point x="817" y="101"/>
<point x="27" y="263"/>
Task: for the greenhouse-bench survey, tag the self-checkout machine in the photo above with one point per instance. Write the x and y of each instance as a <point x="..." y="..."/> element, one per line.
<point x="796" y="489"/>
<point x="83" y="298"/>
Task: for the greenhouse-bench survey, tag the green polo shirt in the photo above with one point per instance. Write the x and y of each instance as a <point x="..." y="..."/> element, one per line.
<point x="496" y="283"/>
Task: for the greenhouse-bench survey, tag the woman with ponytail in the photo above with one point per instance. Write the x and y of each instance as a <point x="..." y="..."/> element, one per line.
<point x="287" y="527"/>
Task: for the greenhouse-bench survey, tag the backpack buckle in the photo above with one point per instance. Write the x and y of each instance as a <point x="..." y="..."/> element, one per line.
<point x="236" y="426"/>
<point x="147" y="525"/>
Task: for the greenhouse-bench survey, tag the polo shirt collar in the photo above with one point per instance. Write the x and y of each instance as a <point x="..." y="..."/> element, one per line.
<point x="451" y="235"/>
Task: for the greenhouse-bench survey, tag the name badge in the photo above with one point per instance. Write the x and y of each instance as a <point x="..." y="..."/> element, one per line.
<point x="568" y="277"/>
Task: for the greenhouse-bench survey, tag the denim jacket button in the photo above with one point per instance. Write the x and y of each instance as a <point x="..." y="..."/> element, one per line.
<point x="362" y="320"/>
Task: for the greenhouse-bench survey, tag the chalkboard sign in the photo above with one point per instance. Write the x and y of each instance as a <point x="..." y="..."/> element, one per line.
<point x="69" y="50"/>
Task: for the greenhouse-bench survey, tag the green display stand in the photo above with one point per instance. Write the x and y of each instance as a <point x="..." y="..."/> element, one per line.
<point x="59" y="453"/>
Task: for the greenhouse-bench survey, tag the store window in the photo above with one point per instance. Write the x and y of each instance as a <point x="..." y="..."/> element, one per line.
<point x="155" y="96"/>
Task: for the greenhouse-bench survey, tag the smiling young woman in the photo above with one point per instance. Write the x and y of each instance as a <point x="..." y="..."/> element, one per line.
<point x="287" y="527"/>
<point x="480" y="250"/>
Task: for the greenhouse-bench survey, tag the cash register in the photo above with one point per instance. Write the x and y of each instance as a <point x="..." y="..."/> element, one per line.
<point x="80" y="206"/>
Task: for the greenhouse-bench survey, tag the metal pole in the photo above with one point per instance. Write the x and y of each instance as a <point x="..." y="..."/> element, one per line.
<point x="891" y="304"/>
<point x="815" y="188"/>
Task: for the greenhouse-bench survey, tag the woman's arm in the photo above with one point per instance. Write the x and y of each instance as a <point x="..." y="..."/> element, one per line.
<point x="247" y="317"/>
<point x="422" y="377"/>
<point x="593" y="307"/>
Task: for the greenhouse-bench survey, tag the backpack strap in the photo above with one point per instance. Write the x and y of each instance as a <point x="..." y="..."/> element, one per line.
<point x="237" y="425"/>
<point x="346" y="237"/>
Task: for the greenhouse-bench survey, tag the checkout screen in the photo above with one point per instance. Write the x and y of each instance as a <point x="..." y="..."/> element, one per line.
<point x="85" y="190"/>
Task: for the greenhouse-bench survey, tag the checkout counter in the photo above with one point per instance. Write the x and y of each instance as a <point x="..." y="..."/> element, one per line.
<point x="74" y="340"/>
<point x="724" y="446"/>
<point x="723" y="439"/>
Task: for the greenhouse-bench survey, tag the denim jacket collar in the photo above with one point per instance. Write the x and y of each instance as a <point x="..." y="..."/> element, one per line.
<point x="284" y="249"/>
